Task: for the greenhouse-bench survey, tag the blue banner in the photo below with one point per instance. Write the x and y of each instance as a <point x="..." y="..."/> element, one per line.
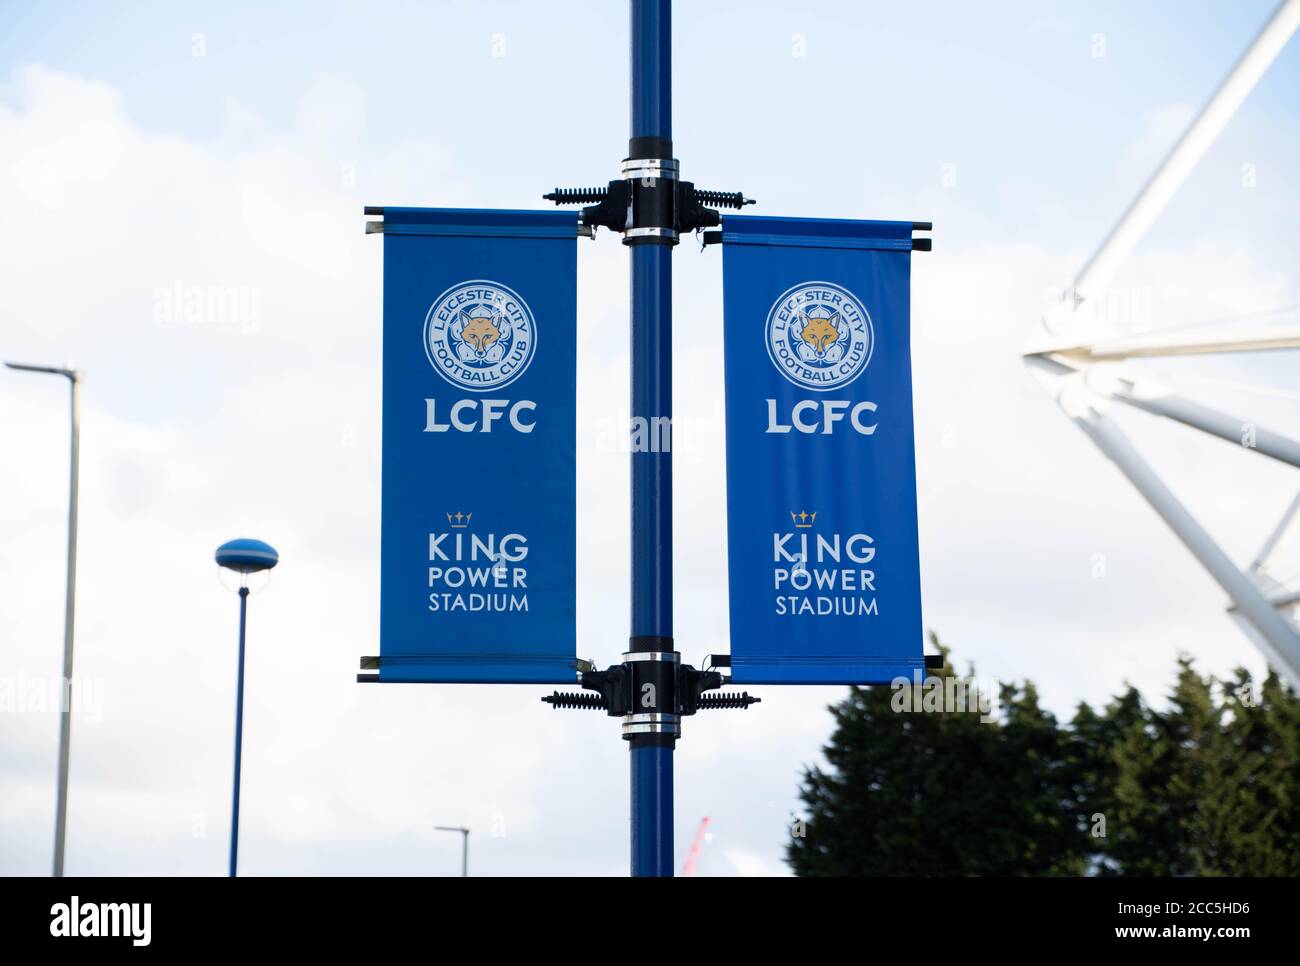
<point x="479" y="422"/>
<point x="821" y="470"/>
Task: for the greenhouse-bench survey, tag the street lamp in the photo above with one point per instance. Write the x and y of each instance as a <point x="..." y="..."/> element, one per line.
<point x="74" y="377"/>
<point x="244" y="556"/>
<point x="464" y="845"/>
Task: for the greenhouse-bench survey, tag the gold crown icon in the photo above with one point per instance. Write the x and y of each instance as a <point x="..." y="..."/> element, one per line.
<point x="803" y="520"/>
<point x="459" y="520"/>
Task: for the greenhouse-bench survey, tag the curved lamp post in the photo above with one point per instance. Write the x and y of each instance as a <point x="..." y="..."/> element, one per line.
<point x="74" y="377"/>
<point x="244" y="556"/>
<point x="464" y="844"/>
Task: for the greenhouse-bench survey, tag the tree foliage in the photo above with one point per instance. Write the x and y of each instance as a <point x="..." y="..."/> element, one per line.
<point x="1206" y="784"/>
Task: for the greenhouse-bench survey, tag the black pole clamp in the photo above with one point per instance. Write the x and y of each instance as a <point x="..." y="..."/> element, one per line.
<point x="650" y="203"/>
<point x="651" y="691"/>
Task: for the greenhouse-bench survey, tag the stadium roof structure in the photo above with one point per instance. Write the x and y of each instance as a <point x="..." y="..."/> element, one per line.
<point x="1086" y="375"/>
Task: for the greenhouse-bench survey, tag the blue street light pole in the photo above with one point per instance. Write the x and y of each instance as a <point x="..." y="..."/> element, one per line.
<point x="651" y="690"/>
<point x="239" y="732"/>
<point x="652" y="483"/>
<point x="245" y="557"/>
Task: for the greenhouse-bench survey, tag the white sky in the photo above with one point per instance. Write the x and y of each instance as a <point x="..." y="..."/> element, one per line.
<point x="133" y="166"/>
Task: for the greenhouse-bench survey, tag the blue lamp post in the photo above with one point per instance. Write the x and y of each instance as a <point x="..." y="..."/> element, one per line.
<point x="244" y="556"/>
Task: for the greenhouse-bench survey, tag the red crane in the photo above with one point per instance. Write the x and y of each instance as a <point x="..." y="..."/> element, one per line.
<point x="689" y="868"/>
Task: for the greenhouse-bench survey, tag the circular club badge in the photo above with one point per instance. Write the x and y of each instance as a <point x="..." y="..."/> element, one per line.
<point x="819" y="336"/>
<point x="480" y="335"/>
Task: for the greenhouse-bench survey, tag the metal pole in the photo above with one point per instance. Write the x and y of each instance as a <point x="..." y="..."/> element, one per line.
<point x="65" y="711"/>
<point x="1241" y="432"/>
<point x="69" y="606"/>
<point x="1280" y="638"/>
<point x="239" y="732"/>
<point x="1196" y="140"/>
<point x="1271" y="543"/>
<point x="652" y="537"/>
<point x="464" y="845"/>
<point x="1155" y="398"/>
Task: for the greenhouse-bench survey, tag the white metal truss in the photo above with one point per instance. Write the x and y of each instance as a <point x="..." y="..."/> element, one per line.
<point x="1085" y="377"/>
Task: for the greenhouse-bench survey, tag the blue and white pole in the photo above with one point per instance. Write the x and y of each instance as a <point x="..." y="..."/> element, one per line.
<point x="245" y="557"/>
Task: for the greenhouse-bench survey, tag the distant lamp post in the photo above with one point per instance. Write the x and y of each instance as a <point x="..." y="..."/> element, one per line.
<point x="464" y="845"/>
<point x="244" y="557"/>
<point x="74" y="377"/>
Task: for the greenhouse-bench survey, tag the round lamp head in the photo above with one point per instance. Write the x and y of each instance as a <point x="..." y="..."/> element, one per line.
<point x="247" y="556"/>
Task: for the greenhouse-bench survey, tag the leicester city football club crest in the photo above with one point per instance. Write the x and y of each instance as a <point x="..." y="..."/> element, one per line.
<point x="819" y="336"/>
<point x="480" y="335"/>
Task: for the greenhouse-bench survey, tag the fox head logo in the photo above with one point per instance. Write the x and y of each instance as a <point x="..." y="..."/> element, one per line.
<point x="481" y="333"/>
<point x="820" y="334"/>
<point x="480" y="339"/>
<point x="821" y="339"/>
